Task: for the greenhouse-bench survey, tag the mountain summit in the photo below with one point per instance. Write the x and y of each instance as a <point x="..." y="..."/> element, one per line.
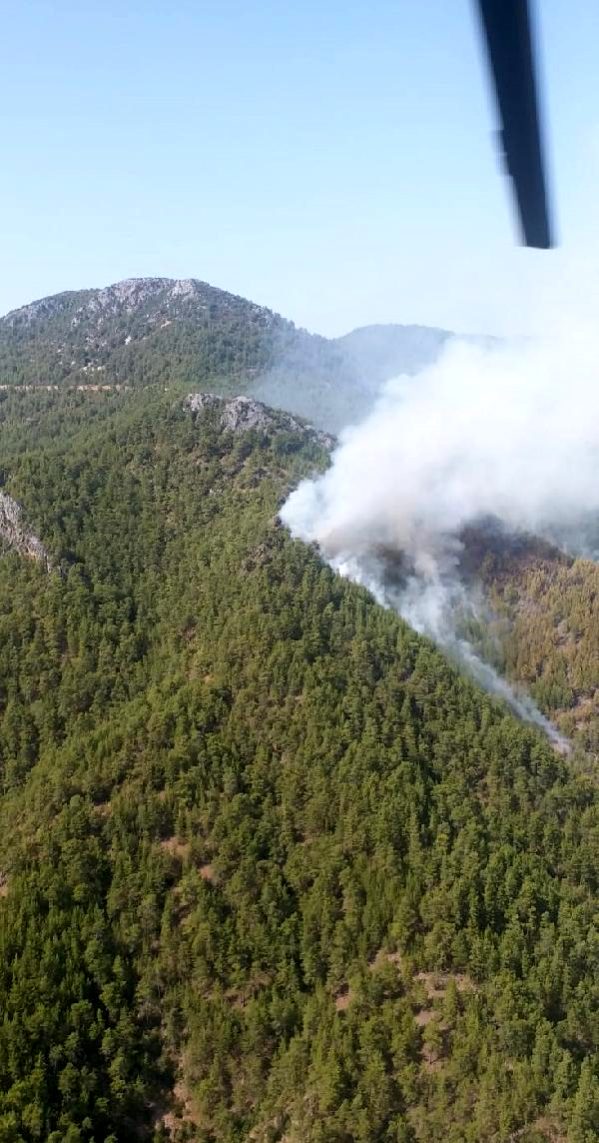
<point x="148" y="331"/>
<point x="152" y="299"/>
<point x="140" y="331"/>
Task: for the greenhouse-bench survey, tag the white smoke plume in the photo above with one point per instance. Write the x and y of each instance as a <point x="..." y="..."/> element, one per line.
<point x="509" y="432"/>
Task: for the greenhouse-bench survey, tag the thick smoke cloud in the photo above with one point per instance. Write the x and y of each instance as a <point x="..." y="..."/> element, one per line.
<point x="509" y="433"/>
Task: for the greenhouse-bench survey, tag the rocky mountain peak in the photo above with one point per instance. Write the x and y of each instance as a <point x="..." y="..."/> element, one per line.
<point x="147" y="298"/>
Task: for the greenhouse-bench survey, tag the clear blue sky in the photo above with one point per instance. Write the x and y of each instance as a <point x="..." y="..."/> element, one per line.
<point x="331" y="160"/>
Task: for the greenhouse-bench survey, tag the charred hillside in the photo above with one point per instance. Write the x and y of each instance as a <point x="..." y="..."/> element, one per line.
<point x="540" y="623"/>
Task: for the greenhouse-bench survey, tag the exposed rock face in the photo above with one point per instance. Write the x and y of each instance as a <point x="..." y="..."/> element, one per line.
<point x="14" y="532"/>
<point x="240" y="414"/>
<point x="152" y="300"/>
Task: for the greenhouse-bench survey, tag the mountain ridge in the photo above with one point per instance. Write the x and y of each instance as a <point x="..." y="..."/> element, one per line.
<point x="129" y="292"/>
<point x="161" y="330"/>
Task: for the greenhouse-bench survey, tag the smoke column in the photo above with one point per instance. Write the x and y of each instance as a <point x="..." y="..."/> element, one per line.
<point x="509" y="432"/>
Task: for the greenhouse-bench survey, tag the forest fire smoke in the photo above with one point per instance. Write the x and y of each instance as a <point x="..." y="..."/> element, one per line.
<point x="509" y="433"/>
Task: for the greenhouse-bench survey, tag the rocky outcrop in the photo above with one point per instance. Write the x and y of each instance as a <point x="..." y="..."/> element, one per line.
<point x="241" y="414"/>
<point x="16" y="535"/>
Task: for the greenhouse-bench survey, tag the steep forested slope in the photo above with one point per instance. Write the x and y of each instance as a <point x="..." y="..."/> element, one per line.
<point x="271" y="869"/>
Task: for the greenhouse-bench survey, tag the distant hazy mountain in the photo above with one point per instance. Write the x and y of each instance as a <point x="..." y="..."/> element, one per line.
<point x="334" y="382"/>
<point x="160" y="331"/>
<point x="379" y="352"/>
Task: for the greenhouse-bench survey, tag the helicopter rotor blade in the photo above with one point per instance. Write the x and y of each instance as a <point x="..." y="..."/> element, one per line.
<point x="507" y="33"/>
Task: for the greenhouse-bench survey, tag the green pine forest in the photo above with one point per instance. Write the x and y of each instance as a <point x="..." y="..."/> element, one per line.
<point x="271" y="869"/>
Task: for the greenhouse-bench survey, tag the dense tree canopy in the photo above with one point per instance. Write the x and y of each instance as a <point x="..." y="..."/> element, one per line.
<point x="271" y="869"/>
